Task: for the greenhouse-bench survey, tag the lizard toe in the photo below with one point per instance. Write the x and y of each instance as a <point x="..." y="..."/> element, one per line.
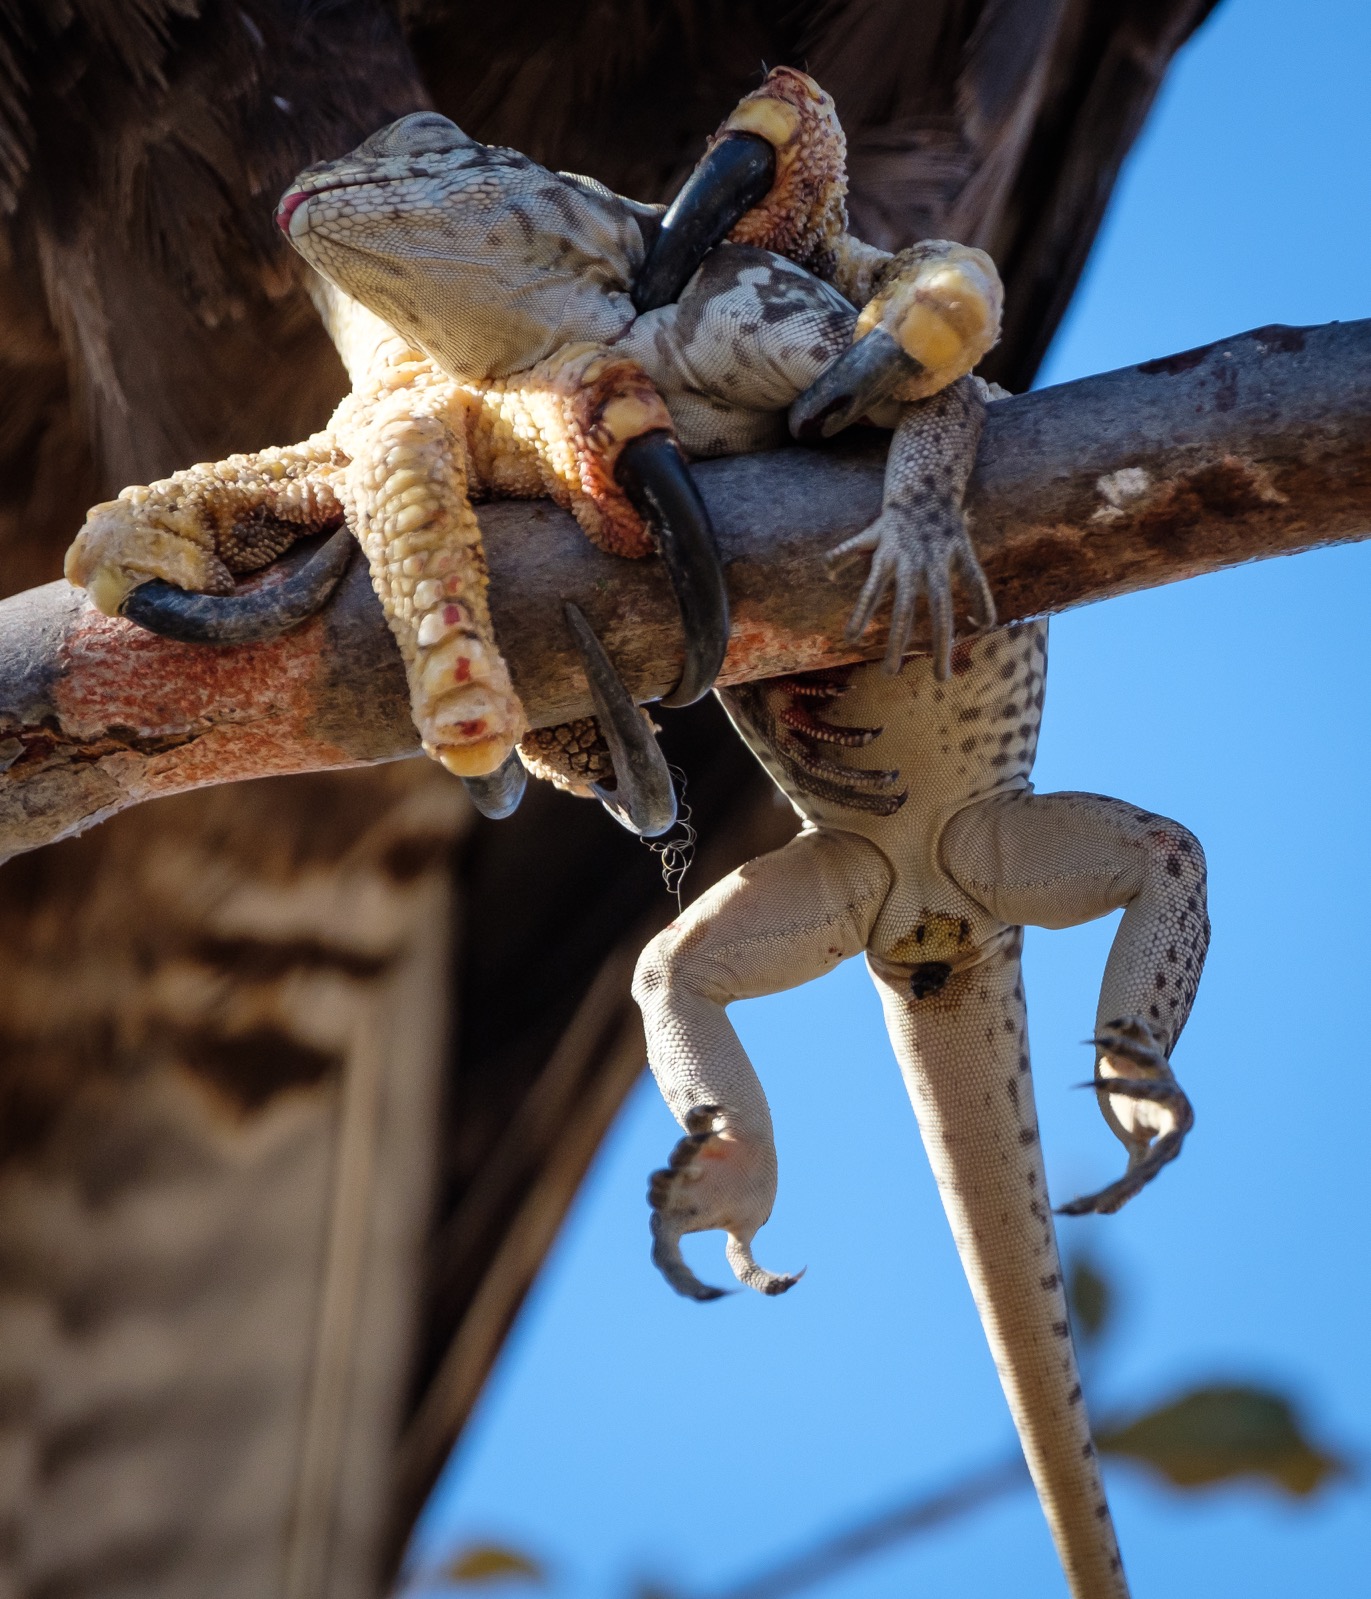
<point x="1143" y="1104"/>
<point x="712" y="1181"/>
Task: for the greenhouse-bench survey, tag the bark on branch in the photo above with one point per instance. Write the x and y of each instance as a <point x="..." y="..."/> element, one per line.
<point x="1258" y="445"/>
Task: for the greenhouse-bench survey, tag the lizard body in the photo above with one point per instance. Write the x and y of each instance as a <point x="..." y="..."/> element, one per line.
<point x="923" y="846"/>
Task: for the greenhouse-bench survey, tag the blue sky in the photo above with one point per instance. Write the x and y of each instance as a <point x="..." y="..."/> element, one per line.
<point x="627" y="1433"/>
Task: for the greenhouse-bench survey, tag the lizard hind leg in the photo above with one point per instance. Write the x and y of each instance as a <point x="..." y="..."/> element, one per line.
<point x="773" y="924"/>
<point x="1144" y="1105"/>
<point x="1057" y="860"/>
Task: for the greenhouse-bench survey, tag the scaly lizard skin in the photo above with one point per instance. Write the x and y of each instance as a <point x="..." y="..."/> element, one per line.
<point x="924" y="847"/>
<point x="932" y="854"/>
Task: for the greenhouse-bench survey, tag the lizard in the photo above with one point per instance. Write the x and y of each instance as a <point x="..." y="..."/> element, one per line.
<point x="480" y="305"/>
<point x="923" y="846"/>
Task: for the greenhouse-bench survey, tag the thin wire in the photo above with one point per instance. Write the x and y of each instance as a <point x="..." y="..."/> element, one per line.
<point x="677" y="850"/>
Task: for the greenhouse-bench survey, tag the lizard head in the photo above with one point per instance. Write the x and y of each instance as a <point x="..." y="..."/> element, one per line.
<point x="773" y="176"/>
<point x="479" y="256"/>
<point x="934" y="313"/>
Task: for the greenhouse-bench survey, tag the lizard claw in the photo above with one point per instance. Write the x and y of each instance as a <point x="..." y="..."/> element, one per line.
<point x="652" y="472"/>
<point x="262" y="613"/>
<point x="734" y="176"/>
<point x="1151" y="1123"/>
<point x="497" y="795"/>
<point x="643" y="798"/>
<point x="709" y="1182"/>
<point x="920" y="540"/>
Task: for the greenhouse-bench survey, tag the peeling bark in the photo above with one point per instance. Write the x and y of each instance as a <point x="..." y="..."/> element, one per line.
<point x="1255" y="446"/>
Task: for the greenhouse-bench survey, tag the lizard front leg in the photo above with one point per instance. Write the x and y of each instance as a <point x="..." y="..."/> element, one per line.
<point x="962" y="1047"/>
<point x="1057" y="860"/>
<point x="773" y="924"/>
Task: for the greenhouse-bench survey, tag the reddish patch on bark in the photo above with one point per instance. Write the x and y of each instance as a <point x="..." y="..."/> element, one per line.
<point x="192" y="714"/>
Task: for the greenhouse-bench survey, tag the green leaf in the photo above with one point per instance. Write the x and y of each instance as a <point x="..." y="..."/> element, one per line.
<point x="1217" y="1433"/>
<point x="481" y="1563"/>
<point x="1090" y="1297"/>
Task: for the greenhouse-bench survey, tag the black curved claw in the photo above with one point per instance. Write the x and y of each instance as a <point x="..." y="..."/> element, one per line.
<point x="736" y="174"/>
<point x="260" y="614"/>
<point x="643" y="798"/>
<point x="843" y="393"/>
<point x="498" y="793"/>
<point x="653" y="473"/>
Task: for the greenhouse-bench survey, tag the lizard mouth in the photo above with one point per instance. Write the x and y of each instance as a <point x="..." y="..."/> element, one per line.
<point x="291" y="202"/>
<point x="293" y="199"/>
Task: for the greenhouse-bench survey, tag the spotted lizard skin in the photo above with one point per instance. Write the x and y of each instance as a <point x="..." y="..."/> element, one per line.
<point x="923" y="847"/>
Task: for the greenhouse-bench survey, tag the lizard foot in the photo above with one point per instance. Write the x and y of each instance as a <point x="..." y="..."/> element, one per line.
<point x="935" y="311"/>
<point x="711" y="1180"/>
<point x="920" y="538"/>
<point x="1144" y="1105"/>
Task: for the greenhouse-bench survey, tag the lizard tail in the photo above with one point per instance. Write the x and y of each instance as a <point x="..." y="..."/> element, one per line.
<point x="964" y="1054"/>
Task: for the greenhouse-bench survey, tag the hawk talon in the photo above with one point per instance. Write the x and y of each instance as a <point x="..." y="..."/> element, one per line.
<point x="643" y="798"/>
<point x="249" y="618"/>
<point x="734" y="176"/>
<point x="497" y="795"/>
<point x="866" y="373"/>
<point x="653" y="473"/>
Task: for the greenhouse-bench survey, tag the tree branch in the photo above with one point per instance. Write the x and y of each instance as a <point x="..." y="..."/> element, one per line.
<point x="1259" y="445"/>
